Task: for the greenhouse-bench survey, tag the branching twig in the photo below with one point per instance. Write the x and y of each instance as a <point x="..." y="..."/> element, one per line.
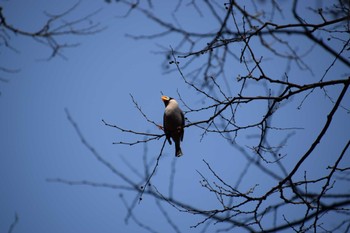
<point x="148" y="180"/>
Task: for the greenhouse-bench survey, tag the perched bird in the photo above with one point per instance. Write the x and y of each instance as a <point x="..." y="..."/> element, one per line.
<point x="173" y="123"/>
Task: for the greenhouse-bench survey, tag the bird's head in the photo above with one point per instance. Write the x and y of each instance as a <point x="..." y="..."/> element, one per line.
<point x="166" y="100"/>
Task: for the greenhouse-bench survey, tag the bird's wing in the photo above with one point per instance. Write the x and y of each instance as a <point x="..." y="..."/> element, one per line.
<point x="182" y="125"/>
<point x="166" y="131"/>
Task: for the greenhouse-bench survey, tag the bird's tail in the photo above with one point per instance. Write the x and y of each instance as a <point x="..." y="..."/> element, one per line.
<point x="178" y="151"/>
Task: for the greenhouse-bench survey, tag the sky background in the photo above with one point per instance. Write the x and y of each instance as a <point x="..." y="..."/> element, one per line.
<point x="94" y="82"/>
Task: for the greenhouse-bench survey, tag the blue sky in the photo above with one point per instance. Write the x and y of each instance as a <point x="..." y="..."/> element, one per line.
<point x="94" y="82"/>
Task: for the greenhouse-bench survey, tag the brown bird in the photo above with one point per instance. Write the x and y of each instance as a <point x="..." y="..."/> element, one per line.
<point x="173" y="123"/>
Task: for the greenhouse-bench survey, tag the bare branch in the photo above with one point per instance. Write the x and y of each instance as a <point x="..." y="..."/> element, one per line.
<point x="13" y="225"/>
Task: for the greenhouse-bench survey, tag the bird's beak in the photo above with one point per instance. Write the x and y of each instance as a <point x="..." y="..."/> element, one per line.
<point x="165" y="98"/>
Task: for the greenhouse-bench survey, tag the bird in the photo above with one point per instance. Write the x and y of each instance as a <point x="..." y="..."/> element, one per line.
<point x="173" y="123"/>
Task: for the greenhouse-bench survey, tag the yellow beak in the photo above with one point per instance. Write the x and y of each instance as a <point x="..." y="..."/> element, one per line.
<point x="165" y="98"/>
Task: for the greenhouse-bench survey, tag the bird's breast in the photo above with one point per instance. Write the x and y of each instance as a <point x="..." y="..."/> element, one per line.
<point x="172" y="119"/>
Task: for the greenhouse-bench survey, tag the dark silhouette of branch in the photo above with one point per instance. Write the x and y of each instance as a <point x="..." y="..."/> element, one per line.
<point x="147" y="183"/>
<point x="51" y="32"/>
<point x="134" y="218"/>
<point x="131" y="185"/>
<point x="108" y="165"/>
<point x="167" y="217"/>
<point x="247" y="99"/>
<point x="319" y="137"/>
<point x="147" y="136"/>
<point x="13" y="225"/>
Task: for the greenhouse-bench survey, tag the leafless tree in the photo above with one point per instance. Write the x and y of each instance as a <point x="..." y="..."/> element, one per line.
<point x="235" y="68"/>
<point x="51" y="34"/>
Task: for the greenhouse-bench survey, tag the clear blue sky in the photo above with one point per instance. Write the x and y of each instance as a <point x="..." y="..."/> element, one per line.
<point x="94" y="83"/>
